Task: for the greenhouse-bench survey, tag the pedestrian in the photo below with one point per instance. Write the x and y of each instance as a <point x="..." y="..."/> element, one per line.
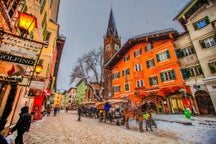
<point x="66" y="109"/>
<point x="48" y="110"/>
<point x="55" y="110"/>
<point x="3" y="140"/>
<point x="22" y="125"/>
<point x="79" y="111"/>
<point x="59" y="109"/>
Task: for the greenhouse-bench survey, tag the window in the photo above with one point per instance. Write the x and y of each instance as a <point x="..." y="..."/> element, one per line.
<point x="180" y="53"/>
<point x="212" y="66"/>
<point x="42" y="2"/>
<point x="107" y="47"/>
<point x="150" y="63"/>
<point x="138" y="67"/>
<point x="13" y="8"/>
<point x="167" y="75"/>
<point x="125" y="72"/>
<point x="208" y="42"/>
<point x="116" y="89"/>
<point x="163" y="56"/>
<point x="191" y="71"/>
<point x="116" y="75"/>
<point x="148" y="47"/>
<point x="126" y="58"/>
<point x="139" y="83"/>
<point x="138" y="52"/>
<point x="153" y="80"/>
<point x="48" y="36"/>
<point x="127" y="87"/>
<point x="201" y="23"/>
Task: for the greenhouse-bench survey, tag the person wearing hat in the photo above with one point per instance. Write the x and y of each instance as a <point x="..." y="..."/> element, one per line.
<point x="22" y="125"/>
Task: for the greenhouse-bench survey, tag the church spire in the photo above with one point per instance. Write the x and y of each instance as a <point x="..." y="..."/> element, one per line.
<point x="111" y="29"/>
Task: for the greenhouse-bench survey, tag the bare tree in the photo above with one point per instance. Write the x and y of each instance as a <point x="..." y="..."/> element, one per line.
<point x="89" y="68"/>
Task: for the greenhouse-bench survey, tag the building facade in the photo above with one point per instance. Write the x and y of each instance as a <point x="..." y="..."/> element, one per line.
<point x="196" y="50"/>
<point x="146" y="68"/>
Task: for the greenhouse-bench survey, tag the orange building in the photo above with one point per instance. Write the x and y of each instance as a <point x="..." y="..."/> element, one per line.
<point x="146" y="68"/>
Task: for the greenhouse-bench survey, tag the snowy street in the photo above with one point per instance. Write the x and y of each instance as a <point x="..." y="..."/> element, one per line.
<point x="65" y="129"/>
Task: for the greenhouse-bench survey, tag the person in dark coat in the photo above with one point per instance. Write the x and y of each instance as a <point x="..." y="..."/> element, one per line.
<point x="22" y="125"/>
<point x="3" y="140"/>
<point x="79" y="111"/>
<point x="55" y="110"/>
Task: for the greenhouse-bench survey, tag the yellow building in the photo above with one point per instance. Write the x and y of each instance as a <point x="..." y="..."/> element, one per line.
<point x="16" y="94"/>
<point x="57" y="99"/>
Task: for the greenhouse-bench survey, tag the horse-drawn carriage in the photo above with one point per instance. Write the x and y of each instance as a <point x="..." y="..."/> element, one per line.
<point x="89" y="109"/>
<point x="111" y="111"/>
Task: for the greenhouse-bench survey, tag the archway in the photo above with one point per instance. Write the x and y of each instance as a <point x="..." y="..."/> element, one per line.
<point x="204" y="102"/>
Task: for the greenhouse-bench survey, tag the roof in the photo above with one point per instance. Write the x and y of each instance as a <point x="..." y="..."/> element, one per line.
<point x="168" y="33"/>
<point x="190" y="8"/>
<point x="111" y="29"/>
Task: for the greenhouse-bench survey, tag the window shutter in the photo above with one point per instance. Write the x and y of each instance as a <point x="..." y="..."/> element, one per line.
<point x="134" y="54"/>
<point x="128" y="71"/>
<point x="140" y="51"/>
<point x="122" y="72"/>
<point x="207" y="20"/>
<point x="150" y="81"/>
<point x="202" y="43"/>
<point x="158" y="58"/>
<point x="214" y="37"/>
<point x="200" y="69"/>
<point x="178" y="53"/>
<point x="212" y="67"/>
<point x="147" y="64"/>
<point x="112" y="76"/>
<point x="192" y="49"/>
<point x="195" y="26"/>
<point x="173" y="74"/>
<point x="185" y="73"/>
<point x="161" y="76"/>
<point x="168" y="54"/>
<point x="118" y="74"/>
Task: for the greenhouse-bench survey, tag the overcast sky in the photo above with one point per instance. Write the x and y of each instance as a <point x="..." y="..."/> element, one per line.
<point x="84" y="23"/>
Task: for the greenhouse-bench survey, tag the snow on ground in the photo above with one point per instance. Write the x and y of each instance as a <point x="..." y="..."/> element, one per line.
<point x="65" y="129"/>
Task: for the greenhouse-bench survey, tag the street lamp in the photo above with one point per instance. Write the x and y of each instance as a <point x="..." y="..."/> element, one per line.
<point x="38" y="69"/>
<point x="27" y="22"/>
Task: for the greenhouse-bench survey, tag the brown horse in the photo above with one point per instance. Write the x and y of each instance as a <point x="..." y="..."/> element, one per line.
<point x="137" y="113"/>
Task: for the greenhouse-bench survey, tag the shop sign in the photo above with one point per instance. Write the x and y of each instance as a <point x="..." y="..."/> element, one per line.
<point x="18" y="50"/>
<point x="13" y="78"/>
<point x="16" y="59"/>
<point x="37" y="85"/>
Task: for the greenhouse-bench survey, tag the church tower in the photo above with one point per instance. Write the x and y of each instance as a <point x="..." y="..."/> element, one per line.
<point x="112" y="43"/>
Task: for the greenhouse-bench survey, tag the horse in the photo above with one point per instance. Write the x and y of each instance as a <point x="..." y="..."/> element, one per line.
<point x="138" y="114"/>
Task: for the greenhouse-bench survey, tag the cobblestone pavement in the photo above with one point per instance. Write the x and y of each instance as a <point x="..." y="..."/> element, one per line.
<point x="65" y="129"/>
